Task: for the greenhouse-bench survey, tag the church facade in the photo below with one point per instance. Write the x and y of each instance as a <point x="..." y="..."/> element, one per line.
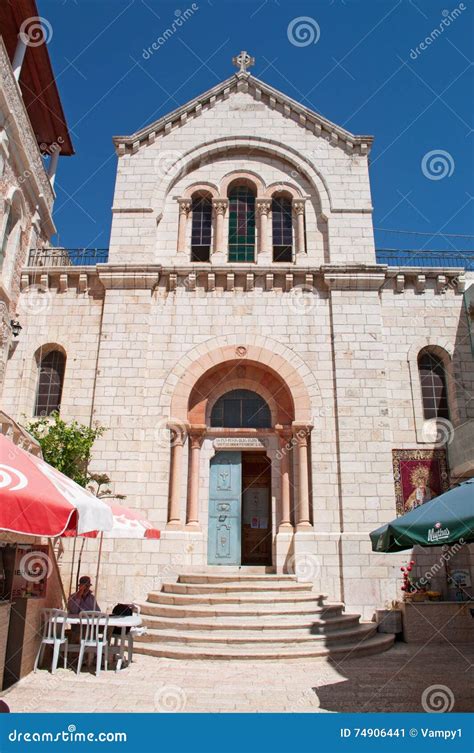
<point x="271" y="392"/>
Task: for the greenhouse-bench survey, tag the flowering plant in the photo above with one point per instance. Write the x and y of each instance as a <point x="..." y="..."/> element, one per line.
<point x="408" y="586"/>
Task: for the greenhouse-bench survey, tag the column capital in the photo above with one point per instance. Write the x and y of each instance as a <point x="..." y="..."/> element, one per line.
<point x="301" y="432"/>
<point x="284" y="432"/>
<point x="298" y="206"/>
<point x="184" y="205"/>
<point x="179" y="432"/>
<point x="220" y="205"/>
<point x="263" y="206"/>
<point x="196" y="435"/>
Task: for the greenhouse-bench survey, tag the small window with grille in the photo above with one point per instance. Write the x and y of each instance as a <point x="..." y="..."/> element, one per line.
<point x="282" y="229"/>
<point x="50" y="383"/>
<point x="434" y="393"/>
<point x="201" y="228"/>
<point x="241" y="409"/>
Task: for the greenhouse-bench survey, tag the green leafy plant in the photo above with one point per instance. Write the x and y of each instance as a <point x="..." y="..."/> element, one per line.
<point x="67" y="446"/>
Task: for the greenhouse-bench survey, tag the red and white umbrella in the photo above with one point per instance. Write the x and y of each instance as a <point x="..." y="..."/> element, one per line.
<point x="38" y="500"/>
<point x="128" y="524"/>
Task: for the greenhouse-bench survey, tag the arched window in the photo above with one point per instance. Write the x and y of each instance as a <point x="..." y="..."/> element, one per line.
<point x="201" y="228"/>
<point x="241" y="409"/>
<point x="50" y="383"/>
<point x="434" y="393"/>
<point x="282" y="229"/>
<point x="241" y="224"/>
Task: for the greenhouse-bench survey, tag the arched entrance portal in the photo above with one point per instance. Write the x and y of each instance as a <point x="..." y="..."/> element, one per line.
<point x="248" y="474"/>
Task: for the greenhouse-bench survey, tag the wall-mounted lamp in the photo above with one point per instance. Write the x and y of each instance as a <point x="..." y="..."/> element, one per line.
<point x="16" y="327"/>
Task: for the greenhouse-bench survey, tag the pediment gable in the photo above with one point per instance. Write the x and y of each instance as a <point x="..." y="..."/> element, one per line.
<point x="262" y="93"/>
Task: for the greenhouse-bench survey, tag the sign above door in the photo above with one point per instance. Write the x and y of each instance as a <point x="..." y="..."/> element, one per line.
<point x="240" y="443"/>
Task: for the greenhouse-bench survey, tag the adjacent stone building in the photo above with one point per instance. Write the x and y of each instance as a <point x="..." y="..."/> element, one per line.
<point x="271" y="391"/>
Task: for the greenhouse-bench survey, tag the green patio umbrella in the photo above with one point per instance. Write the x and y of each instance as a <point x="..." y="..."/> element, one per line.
<point x="444" y="520"/>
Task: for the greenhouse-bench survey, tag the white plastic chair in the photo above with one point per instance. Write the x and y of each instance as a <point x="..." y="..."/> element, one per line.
<point x="54" y="626"/>
<point x="93" y="637"/>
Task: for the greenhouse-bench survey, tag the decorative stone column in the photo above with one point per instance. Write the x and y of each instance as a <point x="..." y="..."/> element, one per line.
<point x="184" y="209"/>
<point x="263" y="209"/>
<point x="298" y="212"/>
<point x="196" y="436"/>
<point x="220" y="208"/>
<point x="285" y="436"/>
<point x="300" y="435"/>
<point x="177" y="439"/>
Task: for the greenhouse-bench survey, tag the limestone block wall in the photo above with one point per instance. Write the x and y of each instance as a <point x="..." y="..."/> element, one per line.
<point x="240" y="131"/>
<point x="70" y="320"/>
<point x="413" y="320"/>
<point x="126" y="347"/>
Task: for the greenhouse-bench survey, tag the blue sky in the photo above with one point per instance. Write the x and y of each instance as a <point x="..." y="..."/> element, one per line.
<point x="358" y="66"/>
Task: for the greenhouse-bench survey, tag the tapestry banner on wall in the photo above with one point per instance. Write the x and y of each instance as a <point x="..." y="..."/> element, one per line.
<point x="420" y="475"/>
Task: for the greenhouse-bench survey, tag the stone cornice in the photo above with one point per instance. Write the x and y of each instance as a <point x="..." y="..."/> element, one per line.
<point x="124" y="276"/>
<point x="366" y="277"/>
<point x="22" y="140"/>
<point x="261" y="92"/>
<point x="244" y="277"/>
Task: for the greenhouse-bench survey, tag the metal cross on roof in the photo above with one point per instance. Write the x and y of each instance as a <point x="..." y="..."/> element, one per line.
<point x="242" y="61"/>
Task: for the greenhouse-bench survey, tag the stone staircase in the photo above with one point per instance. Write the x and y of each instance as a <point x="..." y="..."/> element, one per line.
<point x="251" y="616"/>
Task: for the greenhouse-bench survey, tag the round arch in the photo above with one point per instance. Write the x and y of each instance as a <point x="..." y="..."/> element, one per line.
<point x="249" y="177"/>
<point x="214" y="147"/>
<point x="299" y="379"/>
<point x="235" y="374"/>
<point x="203" y="187"/>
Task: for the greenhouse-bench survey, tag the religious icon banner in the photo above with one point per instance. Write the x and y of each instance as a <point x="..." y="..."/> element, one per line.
<point x="420" y="475"/>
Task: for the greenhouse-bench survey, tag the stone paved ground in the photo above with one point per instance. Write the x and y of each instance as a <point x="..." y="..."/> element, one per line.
<point x="392" y="681"/>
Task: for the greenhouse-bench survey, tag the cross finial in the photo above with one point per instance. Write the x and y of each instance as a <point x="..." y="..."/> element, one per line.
<point x="242" y="61"/>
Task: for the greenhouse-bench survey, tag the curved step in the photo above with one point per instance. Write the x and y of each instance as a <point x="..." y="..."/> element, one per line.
<point x="260" y="597"/>
<point x="234" y="587"/>
<point x="275" y="639"/>
<point x="258" y="626"/>
<point x="371" y="645"/>
<point x="171" y="610"/>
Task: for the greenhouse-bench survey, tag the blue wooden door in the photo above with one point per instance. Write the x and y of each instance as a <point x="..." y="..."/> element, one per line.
<point x="225" y="490"/>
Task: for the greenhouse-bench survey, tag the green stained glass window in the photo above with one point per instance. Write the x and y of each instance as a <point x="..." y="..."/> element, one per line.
<point x="241" y="224"/>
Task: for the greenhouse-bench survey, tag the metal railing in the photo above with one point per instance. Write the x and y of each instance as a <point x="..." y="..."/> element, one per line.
<point x="67" y="257"/>
<point x="74" y="257"/>
<point x="411" y="258"/>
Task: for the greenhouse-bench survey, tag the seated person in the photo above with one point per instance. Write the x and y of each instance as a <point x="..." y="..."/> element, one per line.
<point x="83" y="600"/>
